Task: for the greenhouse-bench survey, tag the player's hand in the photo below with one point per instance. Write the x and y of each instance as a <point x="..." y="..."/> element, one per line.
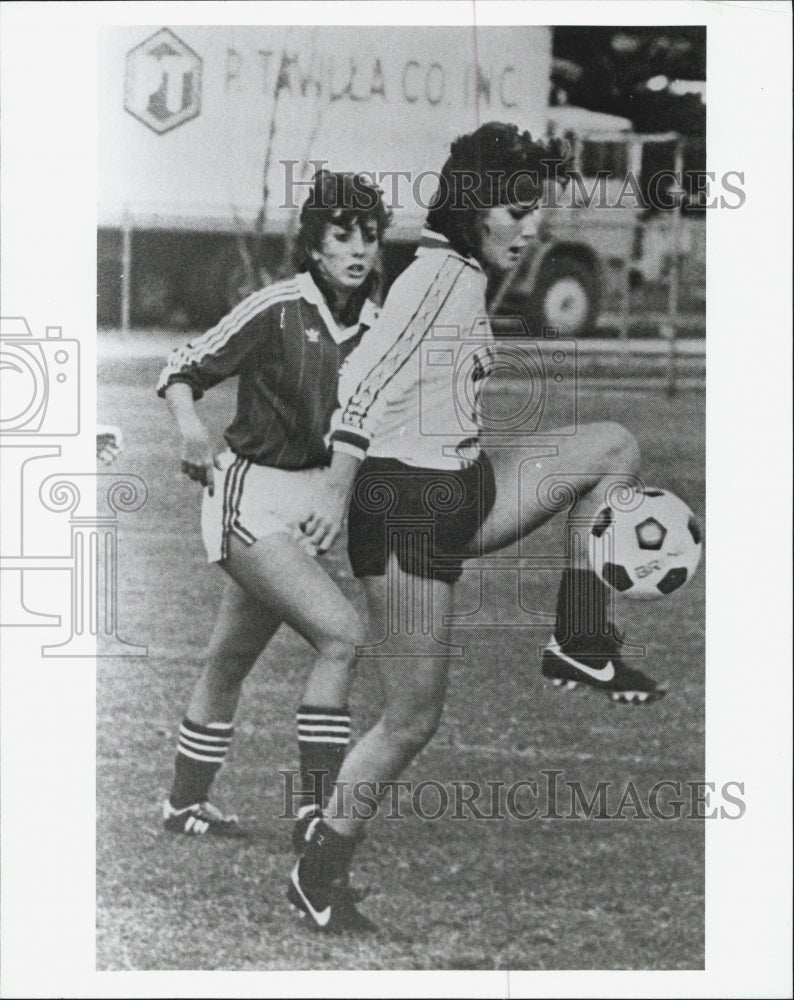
<point x="109" y="443"/>
<point x="323" y="525"/>
<point x="198" y="457"/>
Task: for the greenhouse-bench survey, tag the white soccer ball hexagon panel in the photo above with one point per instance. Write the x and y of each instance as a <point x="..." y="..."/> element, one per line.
<point x="648" y="552"/>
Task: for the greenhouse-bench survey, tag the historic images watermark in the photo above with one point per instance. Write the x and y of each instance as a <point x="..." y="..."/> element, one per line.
<point x="664" y="190"/>
<point x="546" y="795"/>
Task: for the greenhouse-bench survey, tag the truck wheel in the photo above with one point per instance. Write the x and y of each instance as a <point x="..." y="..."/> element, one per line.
<point x="566" y="297"/>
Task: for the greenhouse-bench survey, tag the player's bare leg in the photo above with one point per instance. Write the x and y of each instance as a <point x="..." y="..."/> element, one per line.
<point x="414" y="690"/>
<point x="243" y="628"/>
<point x="273" y="580"/>
<point x="293" y="586"/>
<point x="576" y="472"/>
<point x="281" y="575"/>
<point x="584" y="464"/>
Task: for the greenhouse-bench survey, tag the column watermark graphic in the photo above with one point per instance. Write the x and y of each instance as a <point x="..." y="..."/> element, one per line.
<point x="93" y="558"/>
<point x="41" y="403"/>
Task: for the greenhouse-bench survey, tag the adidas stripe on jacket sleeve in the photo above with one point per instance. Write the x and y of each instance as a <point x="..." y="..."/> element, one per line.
<point x="287" y="350"/>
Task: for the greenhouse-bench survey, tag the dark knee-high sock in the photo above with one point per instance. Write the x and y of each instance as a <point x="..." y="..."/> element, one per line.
<point x="323" y="738"/>
<point x="199" y="754"/>
<point x="328" y="855"/>
<point x="584" y="614"/>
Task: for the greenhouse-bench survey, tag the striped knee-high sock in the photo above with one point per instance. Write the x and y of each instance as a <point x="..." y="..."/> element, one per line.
<point x="323" y="738"/>
<point x="199" y="754"/>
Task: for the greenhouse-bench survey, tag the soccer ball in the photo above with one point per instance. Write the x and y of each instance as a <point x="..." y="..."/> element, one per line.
<point x="647" y="552"/>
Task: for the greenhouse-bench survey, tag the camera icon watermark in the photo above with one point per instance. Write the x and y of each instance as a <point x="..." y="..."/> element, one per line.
<point x="40" y="400"/>
<point x="40" y="381"/>
<point x="512" y="389"/>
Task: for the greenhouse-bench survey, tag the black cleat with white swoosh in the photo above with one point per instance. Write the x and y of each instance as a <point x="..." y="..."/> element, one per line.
<point x="328" y="908"/>
<point x="610" y="675"/>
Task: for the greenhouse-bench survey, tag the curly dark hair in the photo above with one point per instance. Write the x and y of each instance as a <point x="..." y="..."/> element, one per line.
<point x="496" y="165"/>
<point x="339" y="199"/>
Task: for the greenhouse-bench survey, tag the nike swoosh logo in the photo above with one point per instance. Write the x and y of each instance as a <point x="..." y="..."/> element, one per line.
<point x="320" y="916"/>
<point x="606" y="673"/>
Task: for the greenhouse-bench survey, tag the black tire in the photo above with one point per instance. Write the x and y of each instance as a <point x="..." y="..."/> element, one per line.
<point x="566" y="296"/>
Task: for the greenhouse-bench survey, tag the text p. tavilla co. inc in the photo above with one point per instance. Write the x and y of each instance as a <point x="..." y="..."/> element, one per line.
<point x="547" y="796"/>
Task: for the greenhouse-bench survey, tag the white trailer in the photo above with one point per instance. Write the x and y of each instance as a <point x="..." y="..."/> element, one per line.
<point x="205" y="134"/>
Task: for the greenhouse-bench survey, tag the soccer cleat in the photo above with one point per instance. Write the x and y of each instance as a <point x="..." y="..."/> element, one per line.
<point x="300" y="831"/>
<point x="621" y="683"/>
<point x="329" y="908"/>
<point x="200" y="819"/>
<point x="302" y="835"/>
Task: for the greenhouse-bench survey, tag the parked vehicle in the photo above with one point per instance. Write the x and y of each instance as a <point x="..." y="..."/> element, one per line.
<point x="206" y="134"/>
<point x="603" y="241"/>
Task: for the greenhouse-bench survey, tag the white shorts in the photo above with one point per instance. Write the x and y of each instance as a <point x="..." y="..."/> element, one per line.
<point x="255" y="500"/>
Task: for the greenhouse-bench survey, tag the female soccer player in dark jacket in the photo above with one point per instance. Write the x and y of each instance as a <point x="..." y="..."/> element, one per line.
<point x="287" y="344"/>
<point x="428" y="491"/>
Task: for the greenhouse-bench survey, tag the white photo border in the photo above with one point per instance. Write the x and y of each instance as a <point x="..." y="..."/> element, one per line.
<point x="49" y="180"/>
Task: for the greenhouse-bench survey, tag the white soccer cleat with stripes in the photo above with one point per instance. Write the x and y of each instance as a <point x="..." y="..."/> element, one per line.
<point x="199" y="820"/>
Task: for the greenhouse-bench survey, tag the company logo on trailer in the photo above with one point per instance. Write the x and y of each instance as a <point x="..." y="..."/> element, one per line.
<point x="162" y="85"/>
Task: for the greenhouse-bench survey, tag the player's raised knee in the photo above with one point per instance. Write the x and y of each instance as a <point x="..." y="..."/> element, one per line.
<point x="618" y="446"/>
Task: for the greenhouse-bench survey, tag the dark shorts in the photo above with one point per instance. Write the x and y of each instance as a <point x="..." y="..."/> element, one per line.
<point x="424" y="516"/>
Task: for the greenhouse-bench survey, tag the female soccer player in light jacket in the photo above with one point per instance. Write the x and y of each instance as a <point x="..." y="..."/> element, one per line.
<point x="286" y="343"/>
<point x="426" y="494"/>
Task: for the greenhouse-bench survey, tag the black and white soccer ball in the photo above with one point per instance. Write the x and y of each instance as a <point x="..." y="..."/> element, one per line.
<point x="649" y="551"/>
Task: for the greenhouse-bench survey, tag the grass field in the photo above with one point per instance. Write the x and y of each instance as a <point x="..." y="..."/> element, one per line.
<point x="474" y="894"/>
